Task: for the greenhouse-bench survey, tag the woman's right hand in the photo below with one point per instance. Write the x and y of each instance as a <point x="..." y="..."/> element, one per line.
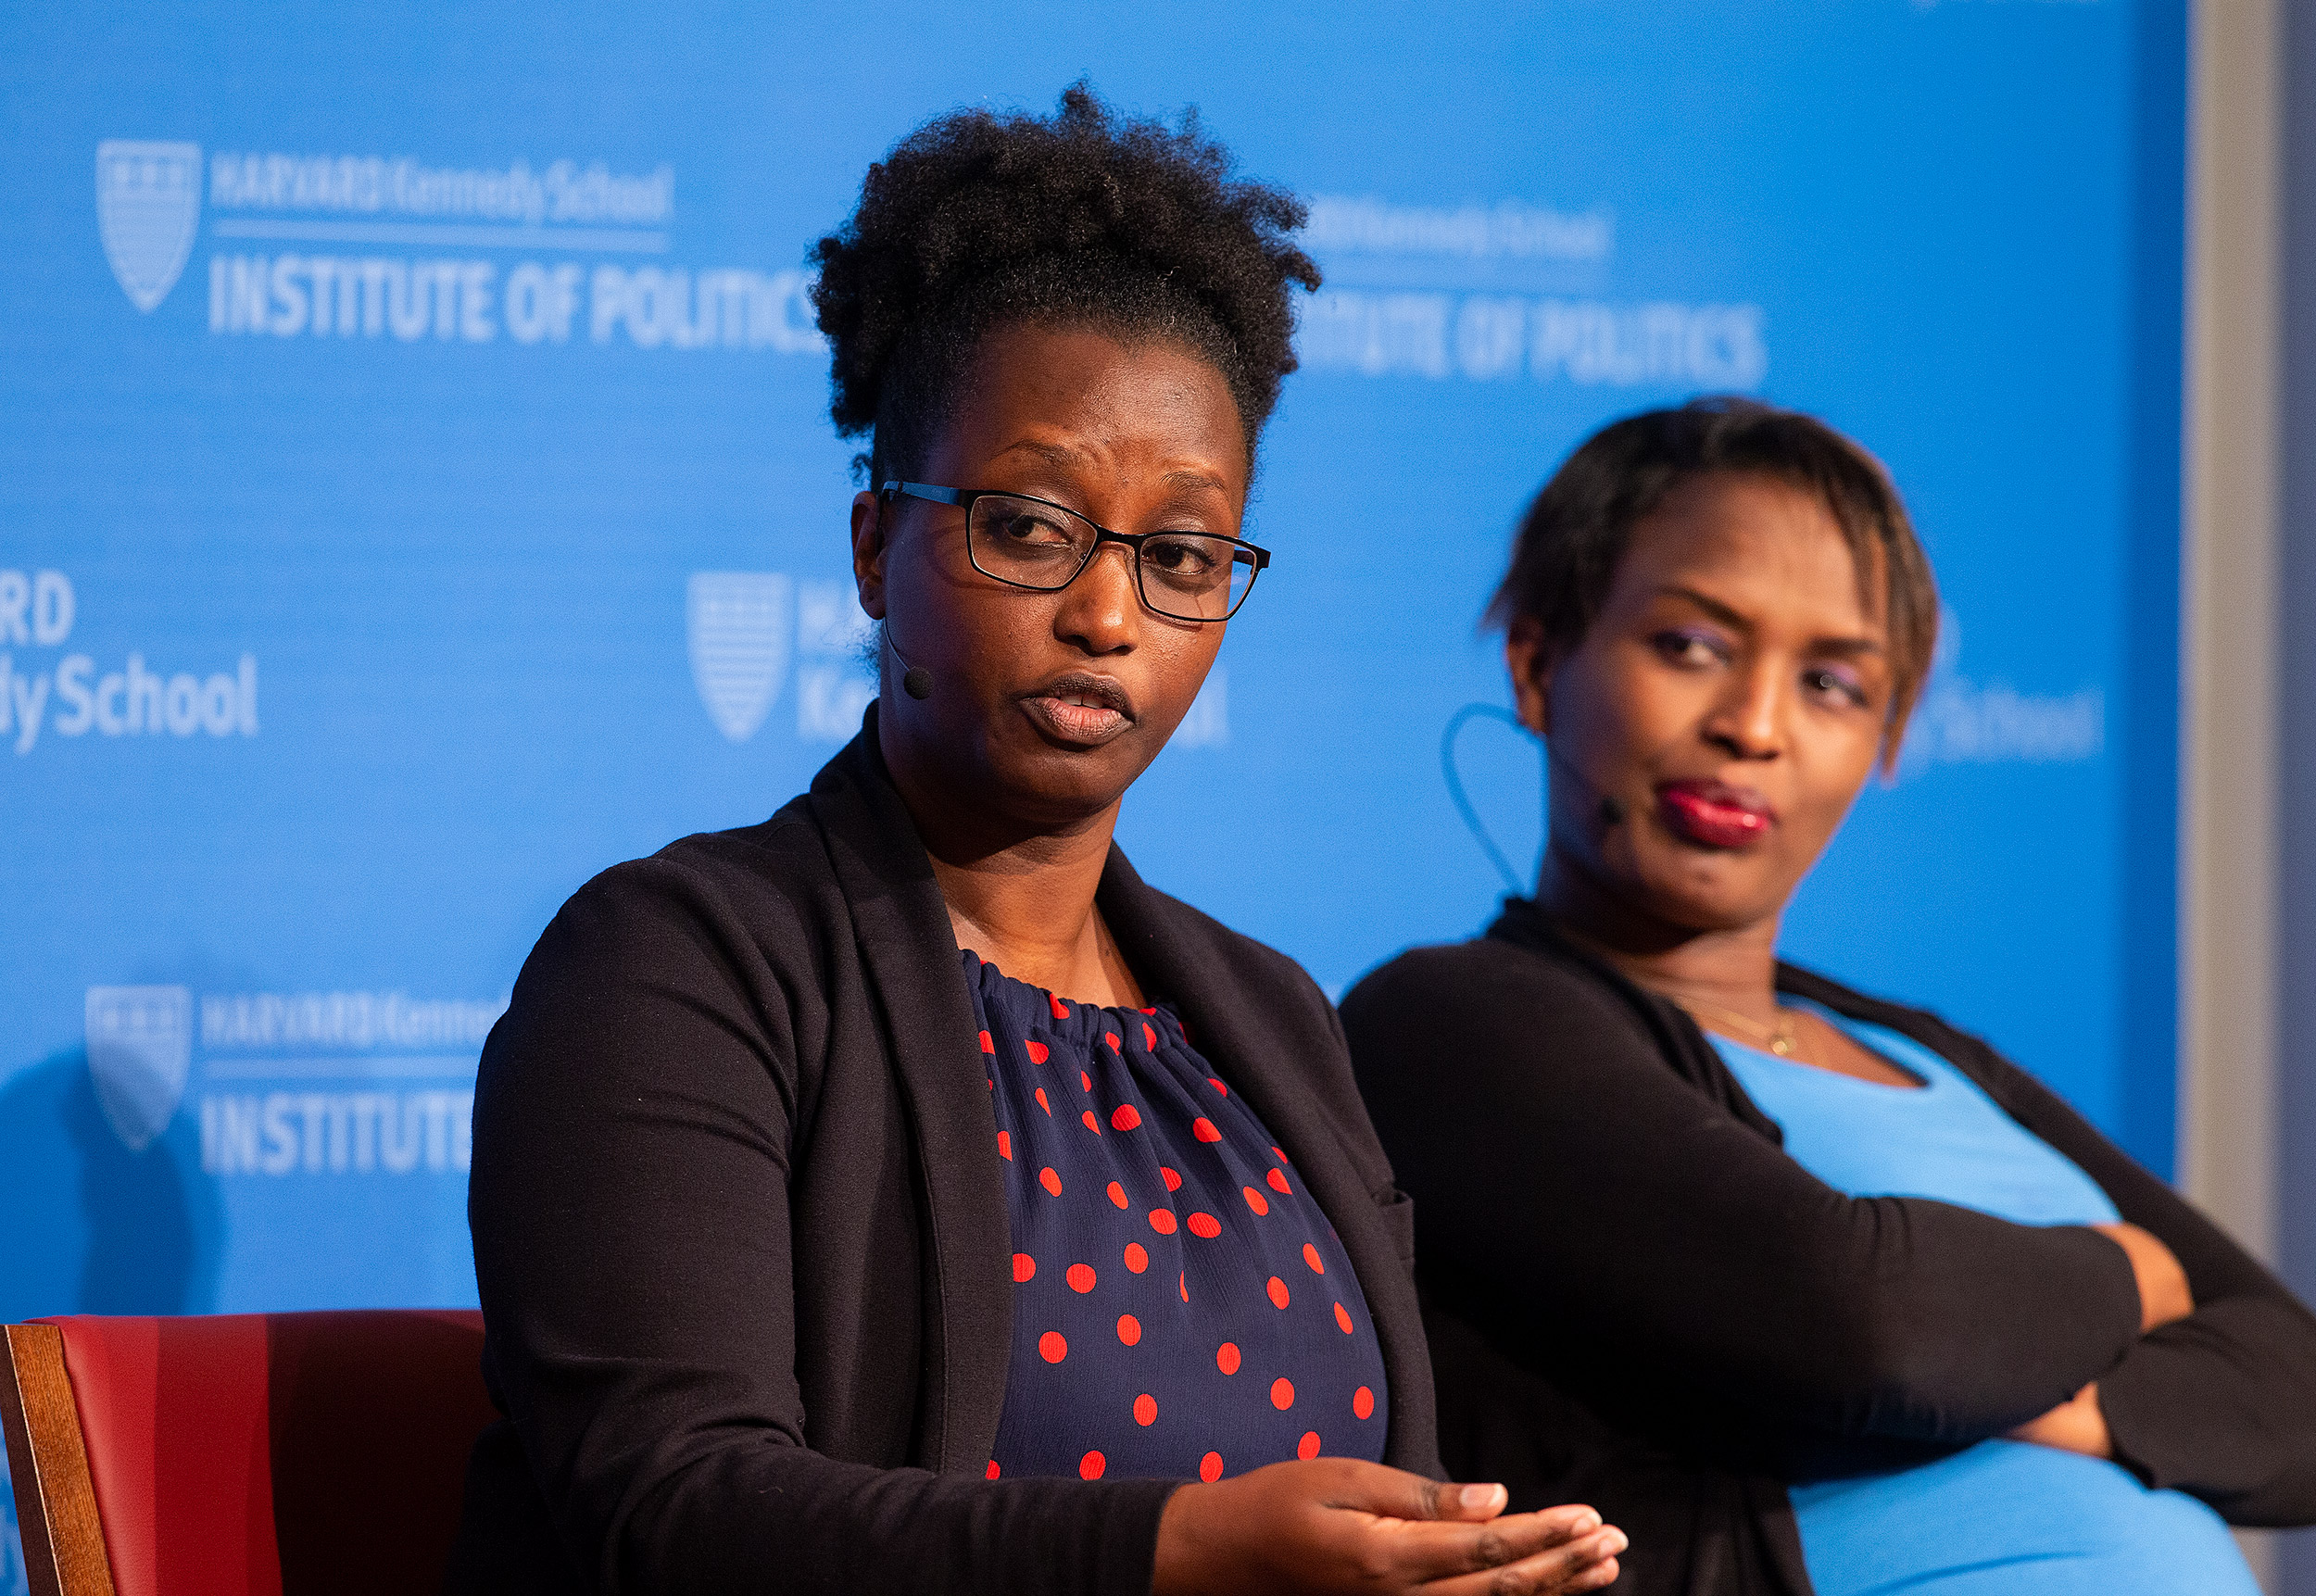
<point x="1334" y="1526"/>
<point x="2163" y="1293"/>
<point x="2077" y="1424"/>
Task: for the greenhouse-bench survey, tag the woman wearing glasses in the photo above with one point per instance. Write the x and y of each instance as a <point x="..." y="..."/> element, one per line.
<point x="1805" y="1288"/>
<point x="898" y="1195"/>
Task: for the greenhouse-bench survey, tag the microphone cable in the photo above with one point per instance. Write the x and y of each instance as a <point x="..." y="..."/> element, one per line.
<point x="1455" y="780"/>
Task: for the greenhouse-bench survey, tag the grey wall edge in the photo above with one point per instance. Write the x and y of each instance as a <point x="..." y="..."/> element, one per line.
<point x="2230" y="870"/>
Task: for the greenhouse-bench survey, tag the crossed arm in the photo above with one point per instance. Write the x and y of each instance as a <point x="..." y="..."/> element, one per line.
<point x="1654" y="1245"/>
<point x="2079" y="1425"/>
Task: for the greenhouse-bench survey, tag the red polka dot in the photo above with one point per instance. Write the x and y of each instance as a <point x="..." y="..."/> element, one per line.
<point x="1060" y="1009"/>
<point x="1174" y="1181"/>
<point x="1311" y="1256"/>
<point x="1084" y="1082"/>
<point x="1041" y="1102"/>
<point x="1363" y="1403"/>
<point x="1023" y="1267"/>
<point x="1129" y="1330"/>
<point x="1217" y="1085"/>
<point x="1204" y="1128"/>
<point x="1210" y="1467"/>
<point x="988" y="1045"/>
<point x="1081" y="1279"/>
<point x="1150" y="1037"/>
<point x="1093" y="1462"/>
<point x="1283" y="1393"/>
<point x="1136" y="1258"/>
<point x="1342" y="1318"/>
<point x="1182" y="1284"/>
<point x="1093" y="1124"/>
<point x="1118" y="1195"/>
<point x="1146" y="1011"/>
<point x="1277" y="1178"/>
<point x="990" y="1472"/>
<point x="1162" y="1221"/>
<point x="1039" y="1051"/>
<point x="1278" y="1289"/>
<point x="1226" y="1357"/>
<point x="1111" y="1037"/>
<point x="1004" y="1145"/>
<point x="1255" y="1200"/>
<point x="1126" y="1116"/>
<point x="1145" y="1409"/>
<point x="1281" y="1152"/>
<point x="1052" y="1347"/>
<point x="1051" y="1181"/>
<point x="1205" y="1227"/>
<point x="1308" y="1447"/>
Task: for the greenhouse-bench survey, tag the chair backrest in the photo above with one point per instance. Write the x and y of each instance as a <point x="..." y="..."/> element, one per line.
<point x="253" y="1454"/>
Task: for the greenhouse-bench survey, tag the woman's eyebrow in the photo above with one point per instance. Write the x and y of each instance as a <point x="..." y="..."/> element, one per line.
<point x="1062" y="458"/>
<point x="1059" y="456"/>
<point x="1192" y="476"/>
<point x="1850" y="648"/>
<point x="1711" y="606"/>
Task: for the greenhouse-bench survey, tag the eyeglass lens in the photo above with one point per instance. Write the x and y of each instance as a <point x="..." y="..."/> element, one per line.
<point x="1181" y="574"/>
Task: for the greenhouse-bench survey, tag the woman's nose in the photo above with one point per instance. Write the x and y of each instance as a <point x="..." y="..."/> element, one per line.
<point x="1750" y="722"/>
<point x="1100" y="609"/>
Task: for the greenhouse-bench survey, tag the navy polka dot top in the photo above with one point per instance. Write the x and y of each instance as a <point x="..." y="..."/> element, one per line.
<point x="1181" y="1308"/>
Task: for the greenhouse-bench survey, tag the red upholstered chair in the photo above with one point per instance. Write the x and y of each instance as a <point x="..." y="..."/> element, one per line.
<point x="248" y="1454"/>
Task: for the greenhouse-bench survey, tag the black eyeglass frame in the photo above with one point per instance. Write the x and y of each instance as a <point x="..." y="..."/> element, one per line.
<point x="963" y="499"/>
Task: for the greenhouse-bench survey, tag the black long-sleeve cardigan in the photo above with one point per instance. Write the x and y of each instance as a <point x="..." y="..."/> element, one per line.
<point x="742" y="1239"/>
<point x="1635" y="1299"/>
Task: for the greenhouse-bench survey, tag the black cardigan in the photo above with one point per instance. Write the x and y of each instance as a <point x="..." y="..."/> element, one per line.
<point x="1635" y="1299"/>
<point x="742" y="1238"/>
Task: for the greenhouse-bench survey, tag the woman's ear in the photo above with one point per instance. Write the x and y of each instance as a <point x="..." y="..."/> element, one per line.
<point x="868" y="552"/>
<point x="1530" y="660"/>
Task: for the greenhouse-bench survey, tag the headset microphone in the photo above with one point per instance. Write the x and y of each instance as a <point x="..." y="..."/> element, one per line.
<point x="1610" y="811"/>
<point x="915" y="680"/>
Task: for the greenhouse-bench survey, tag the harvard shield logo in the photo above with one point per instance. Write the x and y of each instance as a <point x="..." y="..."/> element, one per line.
<point x="738" y="625"/>
<point x="140" y="1042"/>
<point x="149" y="202"/>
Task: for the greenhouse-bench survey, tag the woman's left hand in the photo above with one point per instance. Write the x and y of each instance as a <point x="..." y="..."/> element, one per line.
<point x="2074" y="1426"/>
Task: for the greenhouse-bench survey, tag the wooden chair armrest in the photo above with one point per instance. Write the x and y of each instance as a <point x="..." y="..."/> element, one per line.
<point x="56" y="1501"/>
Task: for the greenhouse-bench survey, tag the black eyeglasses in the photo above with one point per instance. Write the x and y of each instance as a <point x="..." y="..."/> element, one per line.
<point x="1035" y="543"/>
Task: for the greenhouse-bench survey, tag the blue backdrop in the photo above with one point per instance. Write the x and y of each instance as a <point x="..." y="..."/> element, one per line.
<point x="416" y="494"/>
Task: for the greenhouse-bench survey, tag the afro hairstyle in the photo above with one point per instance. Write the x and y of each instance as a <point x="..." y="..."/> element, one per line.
<point x="979" y="219"/>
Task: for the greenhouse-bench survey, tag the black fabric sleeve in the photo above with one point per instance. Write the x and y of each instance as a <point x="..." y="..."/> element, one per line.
<point x="2221" y="1404"/>
<point x="1611" y="1207"/>
<point x="632" y="1236"/>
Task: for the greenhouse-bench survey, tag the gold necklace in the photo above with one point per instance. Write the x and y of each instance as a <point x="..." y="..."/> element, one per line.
<point x="1780" y="1039"/>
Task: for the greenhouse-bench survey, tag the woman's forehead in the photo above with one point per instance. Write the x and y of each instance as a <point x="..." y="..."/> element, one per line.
<point x="1758" y="542"/>
<point x="1076" y="397"/>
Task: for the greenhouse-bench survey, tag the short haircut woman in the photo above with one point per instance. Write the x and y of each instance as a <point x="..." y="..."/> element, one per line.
<point x="1804" y="1288"/>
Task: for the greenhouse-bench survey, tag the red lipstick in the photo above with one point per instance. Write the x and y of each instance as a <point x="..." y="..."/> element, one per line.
<point x="1714" y="814"/>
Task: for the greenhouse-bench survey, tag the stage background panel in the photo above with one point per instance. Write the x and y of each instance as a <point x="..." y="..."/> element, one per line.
<point x="416" y="494"/>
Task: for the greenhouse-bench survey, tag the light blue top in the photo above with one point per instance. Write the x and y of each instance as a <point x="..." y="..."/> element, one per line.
<point x="2001" y="1518"/>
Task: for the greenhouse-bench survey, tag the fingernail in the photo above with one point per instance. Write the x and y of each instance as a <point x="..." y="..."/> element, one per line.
<point x="1479" y="1495"/>
<point x="1613" y="1542"/>
<point x="1586" y="1525"/>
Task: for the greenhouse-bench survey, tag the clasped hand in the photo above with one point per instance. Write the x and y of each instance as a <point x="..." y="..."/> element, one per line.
<point x="1332" y="1527"/>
